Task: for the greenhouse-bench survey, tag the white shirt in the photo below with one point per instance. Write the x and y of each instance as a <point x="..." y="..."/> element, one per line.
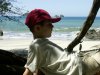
<point x="51" y="59"/>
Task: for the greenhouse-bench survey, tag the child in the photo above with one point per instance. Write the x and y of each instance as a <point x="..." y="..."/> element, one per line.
<point x="45" y="55"/>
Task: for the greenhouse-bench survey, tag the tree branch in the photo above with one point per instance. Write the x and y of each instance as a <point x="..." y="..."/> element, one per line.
<point x="87" y="24"/>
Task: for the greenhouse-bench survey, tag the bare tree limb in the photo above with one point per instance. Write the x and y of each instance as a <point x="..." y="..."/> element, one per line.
<point x="87" y="24"/>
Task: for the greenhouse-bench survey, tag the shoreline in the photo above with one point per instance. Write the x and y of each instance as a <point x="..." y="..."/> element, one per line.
<point x="8" y="44"/>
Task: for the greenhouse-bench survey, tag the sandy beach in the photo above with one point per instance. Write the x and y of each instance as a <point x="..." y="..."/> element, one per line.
<point x="8" y="44"/>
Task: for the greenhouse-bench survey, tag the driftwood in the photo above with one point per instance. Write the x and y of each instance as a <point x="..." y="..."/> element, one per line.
<point x="87" y="24"/>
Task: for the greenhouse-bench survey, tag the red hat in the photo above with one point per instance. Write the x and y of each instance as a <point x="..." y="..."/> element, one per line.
<point x="38" y="15"/>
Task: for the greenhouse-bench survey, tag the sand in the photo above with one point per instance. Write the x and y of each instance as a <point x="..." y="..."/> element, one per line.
<point x="8" y="44"/>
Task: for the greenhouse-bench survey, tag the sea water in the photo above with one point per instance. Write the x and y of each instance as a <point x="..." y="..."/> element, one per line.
<point x="66" y="29"/>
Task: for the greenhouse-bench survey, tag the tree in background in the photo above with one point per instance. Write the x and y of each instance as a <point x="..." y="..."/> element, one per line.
<point x="7" y="10"/>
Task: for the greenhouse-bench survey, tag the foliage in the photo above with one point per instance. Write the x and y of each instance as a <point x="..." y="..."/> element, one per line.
<point x="5" y="6"/>
<point x="7" y="10"/>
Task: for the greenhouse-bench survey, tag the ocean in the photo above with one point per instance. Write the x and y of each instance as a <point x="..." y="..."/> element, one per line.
<point x="66" y="29"/>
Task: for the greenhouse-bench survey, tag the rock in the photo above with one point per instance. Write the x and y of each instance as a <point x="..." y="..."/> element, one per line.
<point x="92" y="34"/>
<point x="13" y="59"/>
<point x="11" y="63"/>
<point x="20" y="52"/>
<point x="11" y="69"/>
<point x="1" y="33"/>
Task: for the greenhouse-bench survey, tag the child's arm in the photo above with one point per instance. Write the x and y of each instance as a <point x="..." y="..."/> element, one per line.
<point x="27" y="72"/>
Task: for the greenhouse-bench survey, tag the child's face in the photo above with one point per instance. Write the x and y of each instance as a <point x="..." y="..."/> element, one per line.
<point x="45" y="30"/>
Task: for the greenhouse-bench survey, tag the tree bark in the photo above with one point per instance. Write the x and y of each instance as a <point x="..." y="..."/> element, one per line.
<point x="87" y="24"/>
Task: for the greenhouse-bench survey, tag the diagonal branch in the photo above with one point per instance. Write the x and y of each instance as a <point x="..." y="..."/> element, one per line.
<point x="87" y="24"/>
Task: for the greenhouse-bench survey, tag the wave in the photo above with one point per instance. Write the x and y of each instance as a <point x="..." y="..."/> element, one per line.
<point x="67" y="28"/>
<point x="28" y="35"/>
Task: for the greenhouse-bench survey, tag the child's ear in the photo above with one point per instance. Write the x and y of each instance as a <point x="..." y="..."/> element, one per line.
<point x="37" y="28"/>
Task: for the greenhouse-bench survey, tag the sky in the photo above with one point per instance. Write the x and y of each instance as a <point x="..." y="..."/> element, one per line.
<point x="59" y="7"/>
